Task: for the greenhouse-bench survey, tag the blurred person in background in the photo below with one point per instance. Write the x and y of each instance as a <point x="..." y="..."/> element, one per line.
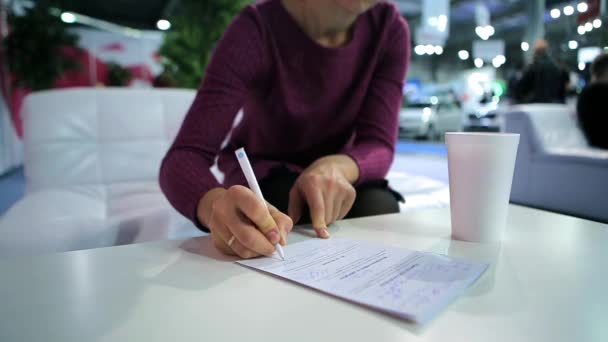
<point x="568" y="87"/>
<point x="514" y="77"/>
<point x="591" y="107"/>
<point x="320" y="85"/>
<point x="543" y="81"/>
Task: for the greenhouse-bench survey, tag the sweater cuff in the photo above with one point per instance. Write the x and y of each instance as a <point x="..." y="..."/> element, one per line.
<point x="184" y="183"/>
<point x="373" y="162"/>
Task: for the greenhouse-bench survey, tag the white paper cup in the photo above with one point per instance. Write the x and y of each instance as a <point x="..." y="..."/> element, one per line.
<point x="481" y="169"/>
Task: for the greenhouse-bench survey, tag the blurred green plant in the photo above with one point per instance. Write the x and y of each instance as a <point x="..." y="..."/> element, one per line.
<point x="33" y="46"/>
<point x="196" y="28"/>
<point x="118" y="76"/>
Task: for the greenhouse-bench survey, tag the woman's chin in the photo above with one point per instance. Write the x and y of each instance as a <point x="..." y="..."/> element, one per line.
<point x="356" y="6"/>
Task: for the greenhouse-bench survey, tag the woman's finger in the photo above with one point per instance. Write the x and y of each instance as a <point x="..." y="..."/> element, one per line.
<point x="220" y="244"/>
<point x="248" y="235"/>
<point x="314" y="198"/>
<point x="242" y="251"/>
<point x="222" y="239"/>
<point x="296" y="204"/>
<point x="329" y="199"/>
<point x="338" y="202"/>
<point x="347" y="203"/>
<point x="283" y="221"/>
<point x="256" y="211"/>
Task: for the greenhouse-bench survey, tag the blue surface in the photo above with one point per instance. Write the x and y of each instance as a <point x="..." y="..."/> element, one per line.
<point x="12" y="188"/>
<point x="438" y="149"/>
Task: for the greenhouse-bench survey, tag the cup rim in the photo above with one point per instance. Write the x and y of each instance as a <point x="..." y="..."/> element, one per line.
<point x="474" y="134"/>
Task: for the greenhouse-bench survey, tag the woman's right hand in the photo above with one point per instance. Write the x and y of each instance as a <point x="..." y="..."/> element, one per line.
<point x="238" y="212"/>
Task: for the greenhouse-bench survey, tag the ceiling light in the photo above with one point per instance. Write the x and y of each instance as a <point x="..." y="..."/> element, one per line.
<point x="163" y="25"/>
<point x="555" y="13"/>
<point x="568" y="10"/>
<point x="485" y="32"/>
<point x="478" y="62"/>
<point x="438" y="50"/>
<point x="581" y="30"/>
<point x="419" y="50"/>
<point x="498" y="61"/>
<point x="589" y="27"/>
<point x="463" y="54"/>
<point x="68" y="18"/>
<point x="573" y="44"/>
<point x="429" y="50"/>
<point x="525" y="46"/>
<point x="597" y="23"/>
<point x="581" y="66"/>
<point x="582" y="7"/>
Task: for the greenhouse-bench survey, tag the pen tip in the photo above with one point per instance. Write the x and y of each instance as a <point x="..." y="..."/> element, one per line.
<point x="280" y="252"/>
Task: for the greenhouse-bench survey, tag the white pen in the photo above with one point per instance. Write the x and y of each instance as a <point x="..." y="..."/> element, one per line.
<point x="241" y="156"/>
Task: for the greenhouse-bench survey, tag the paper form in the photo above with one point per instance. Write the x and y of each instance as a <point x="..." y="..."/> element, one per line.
<point x="412" y="285"/>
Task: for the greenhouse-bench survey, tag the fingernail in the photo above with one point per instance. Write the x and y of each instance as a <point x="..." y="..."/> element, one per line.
<point x="324" y="233"/>
<point x="273" y="236"/>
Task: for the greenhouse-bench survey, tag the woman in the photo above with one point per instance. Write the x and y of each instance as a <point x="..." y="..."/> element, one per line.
<point x="320" y="84"/>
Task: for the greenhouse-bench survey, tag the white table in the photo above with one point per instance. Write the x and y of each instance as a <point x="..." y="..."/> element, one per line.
<point x="548" y="282"/>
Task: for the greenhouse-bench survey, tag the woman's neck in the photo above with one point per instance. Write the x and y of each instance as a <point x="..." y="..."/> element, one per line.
<point x="325" y="22"/>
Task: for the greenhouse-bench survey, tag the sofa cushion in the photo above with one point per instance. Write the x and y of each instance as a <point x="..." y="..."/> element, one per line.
<point x="554" y="126"/>
<point x="99" y="136"/>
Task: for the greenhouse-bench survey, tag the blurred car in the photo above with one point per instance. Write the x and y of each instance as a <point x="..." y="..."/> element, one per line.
<point x="429" y="118"/>
<point x="484" y="116"/>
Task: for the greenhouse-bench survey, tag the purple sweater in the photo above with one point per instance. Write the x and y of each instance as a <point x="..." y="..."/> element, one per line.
<point x="301" y="101"/>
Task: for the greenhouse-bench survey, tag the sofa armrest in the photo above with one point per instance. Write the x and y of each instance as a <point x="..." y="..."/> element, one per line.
<point x="519" y="122"/>
<point x="587" y="157"/>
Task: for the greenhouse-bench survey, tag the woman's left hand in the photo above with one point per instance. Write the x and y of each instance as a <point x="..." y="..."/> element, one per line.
<point x="326" y="186"/>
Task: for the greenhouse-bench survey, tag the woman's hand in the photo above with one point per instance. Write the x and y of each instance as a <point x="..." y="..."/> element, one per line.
<point x="239" y="213"/>
<point x="326" y="186"/>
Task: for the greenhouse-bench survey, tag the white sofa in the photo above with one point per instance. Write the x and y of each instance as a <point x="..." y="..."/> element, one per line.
<point x="556" y="169"/>
<point x="91" y="165"/>
<point x="92" y="158"/>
